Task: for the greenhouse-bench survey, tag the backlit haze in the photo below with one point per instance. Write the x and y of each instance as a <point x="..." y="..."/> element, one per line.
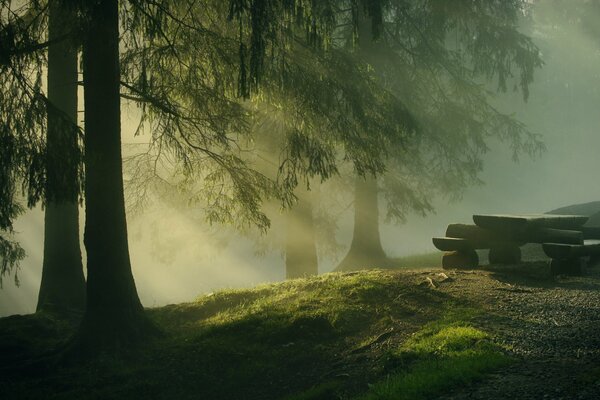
<point x="176" y="256"/>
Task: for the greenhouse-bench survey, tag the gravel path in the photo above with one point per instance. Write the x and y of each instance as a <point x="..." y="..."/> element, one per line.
<point x="551" y="325"/>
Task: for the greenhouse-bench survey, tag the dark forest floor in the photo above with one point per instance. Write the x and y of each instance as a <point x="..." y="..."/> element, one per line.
<point x="510" y="332"/>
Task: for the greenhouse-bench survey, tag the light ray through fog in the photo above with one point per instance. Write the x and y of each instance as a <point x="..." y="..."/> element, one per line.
<point x="30" y="234"/>
<point x="176" y="257"/>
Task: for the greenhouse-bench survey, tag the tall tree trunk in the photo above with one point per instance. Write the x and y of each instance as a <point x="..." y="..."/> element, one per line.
<point x="114" y="316"/>
<point x="62" y="288"/>
<point x="366" y="249"/>
<point x="301" y="250"/>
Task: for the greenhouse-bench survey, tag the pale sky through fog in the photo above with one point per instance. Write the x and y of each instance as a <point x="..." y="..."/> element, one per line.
<point x="175" y="258"/>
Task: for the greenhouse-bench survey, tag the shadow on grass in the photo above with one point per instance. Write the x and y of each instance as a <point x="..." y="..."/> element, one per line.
<point x="443" y="354"/>
<point x="264" y="343"/>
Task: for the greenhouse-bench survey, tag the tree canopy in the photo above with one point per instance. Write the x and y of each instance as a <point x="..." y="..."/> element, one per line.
<point x="391" y="88"/>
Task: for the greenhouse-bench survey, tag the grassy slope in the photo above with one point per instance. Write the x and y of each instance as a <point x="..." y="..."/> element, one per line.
<point x="368" y="335"/>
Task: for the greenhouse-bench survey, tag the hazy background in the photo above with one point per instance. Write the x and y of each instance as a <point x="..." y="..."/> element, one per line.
<point x="176" y="257"/>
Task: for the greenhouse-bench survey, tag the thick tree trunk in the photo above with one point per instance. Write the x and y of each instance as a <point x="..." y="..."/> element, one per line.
<point x="114" y="316"/>
<point x="301" y="250"/>
<point x="365" y="250"/>
<point x="62" y="288"/>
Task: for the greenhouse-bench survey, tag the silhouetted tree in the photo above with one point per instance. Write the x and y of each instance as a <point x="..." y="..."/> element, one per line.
<point x="114" y="316"/>
<point x="365" y="249"/>
<point x="47" y="170"/>
<point x="62" y="289"/>
<point x="186" y="92"/>
<point x="323" y="102"/>
<point x="22" y="122"/>
<point x="432" y="56"/>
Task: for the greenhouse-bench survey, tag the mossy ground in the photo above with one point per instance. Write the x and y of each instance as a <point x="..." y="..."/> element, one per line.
<point x="368" y="335"/>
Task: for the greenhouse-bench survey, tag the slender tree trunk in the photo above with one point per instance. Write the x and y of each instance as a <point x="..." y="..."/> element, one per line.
<point x="365" y="250"/>
<point x="301" y="250"/>
<point x="62" y="288"/>
<point x="114" y="316"/>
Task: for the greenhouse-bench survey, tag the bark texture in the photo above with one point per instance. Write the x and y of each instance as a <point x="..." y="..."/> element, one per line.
<point x="114" y="316"/>
<point x="62" y="288"/>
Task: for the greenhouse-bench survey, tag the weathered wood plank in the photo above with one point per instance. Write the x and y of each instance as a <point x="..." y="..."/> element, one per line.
<point x="551" y="235"/>
<point x="481" y="238"/>
<point x="478" y="237"/>
<point x="507" y="222"/>
<point x="591" y="232"/>
<point x="452" y="244"/>
<point x="561" y="251"/>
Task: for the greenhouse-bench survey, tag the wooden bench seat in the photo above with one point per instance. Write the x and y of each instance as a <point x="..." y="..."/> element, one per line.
<point x="502" y="222"/>
<point x="567" y="258"/>
<point x="481" y="238"/>
<point x="590" y="232"/>
<point x="563" y="237"/>
<point x="563" y="251"/>
<point x="456" y="244"/>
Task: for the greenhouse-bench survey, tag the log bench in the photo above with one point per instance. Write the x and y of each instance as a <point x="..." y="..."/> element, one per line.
<point x="563" y="235"/>
<point x="567" y="258"/>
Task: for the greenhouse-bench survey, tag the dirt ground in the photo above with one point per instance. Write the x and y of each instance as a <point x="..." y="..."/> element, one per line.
<point x="551" y="325"/>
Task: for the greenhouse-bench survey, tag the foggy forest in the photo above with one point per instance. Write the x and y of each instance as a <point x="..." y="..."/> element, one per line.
<point x="299" y="199"/>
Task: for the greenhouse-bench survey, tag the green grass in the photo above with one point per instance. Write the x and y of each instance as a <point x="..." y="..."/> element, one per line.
<point x="317" y="338"/>
<point x="443" y="354"/>
<point x="332" y="302"/>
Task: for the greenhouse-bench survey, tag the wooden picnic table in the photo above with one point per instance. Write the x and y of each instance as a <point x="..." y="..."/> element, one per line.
<point x="562" y="236"/>
<point x="508" y="222"/>
<point x="562" y="251"/>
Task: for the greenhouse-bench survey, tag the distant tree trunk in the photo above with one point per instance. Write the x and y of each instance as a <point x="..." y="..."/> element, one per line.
<point x="301" y="250"/>
<point x="114" y="316"/>
<point x="62" y="288"/>
<point x="366" y="249"/>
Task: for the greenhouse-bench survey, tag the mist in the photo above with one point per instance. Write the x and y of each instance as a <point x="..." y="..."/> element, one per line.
<point x="176" y="257"/>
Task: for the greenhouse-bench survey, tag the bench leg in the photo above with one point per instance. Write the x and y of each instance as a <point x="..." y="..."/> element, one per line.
<point x="508" y="254"/>
<point x="460" y="260"/>
<point x="594" y="261"/>
<point x="572" y="267"/>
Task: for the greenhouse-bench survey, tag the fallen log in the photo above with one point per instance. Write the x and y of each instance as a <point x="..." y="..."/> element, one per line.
<point x="515" y="223"/>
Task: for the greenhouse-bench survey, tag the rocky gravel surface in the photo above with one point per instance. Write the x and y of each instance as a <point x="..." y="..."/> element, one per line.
<point x="550" y="325"/>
